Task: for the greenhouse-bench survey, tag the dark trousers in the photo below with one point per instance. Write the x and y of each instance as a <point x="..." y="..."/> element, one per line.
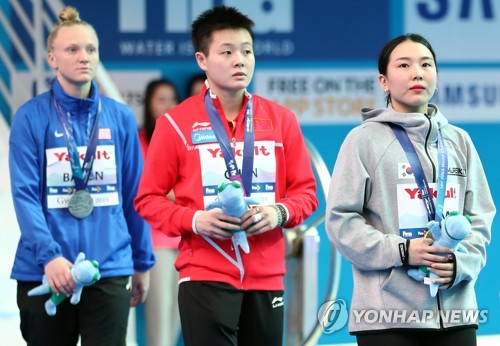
<point x="214" y="313"/>
<point x="453" y="337"/>
<point x="99" y="319"/>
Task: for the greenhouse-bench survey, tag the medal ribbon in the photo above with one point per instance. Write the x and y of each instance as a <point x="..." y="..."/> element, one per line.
<point x="433" y="213"/>
<point x="245" y="177"/>
<point x="81" y="174"/>
<point x="442" y="176"/>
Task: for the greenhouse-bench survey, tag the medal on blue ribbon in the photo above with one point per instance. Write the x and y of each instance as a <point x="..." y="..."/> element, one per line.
<point x="81" y="204"/>
<point x="245" y="176"/>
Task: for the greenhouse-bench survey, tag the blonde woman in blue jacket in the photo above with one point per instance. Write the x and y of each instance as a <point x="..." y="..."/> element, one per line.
<point x="67" y="203"/>
<point x="377" y="209"/>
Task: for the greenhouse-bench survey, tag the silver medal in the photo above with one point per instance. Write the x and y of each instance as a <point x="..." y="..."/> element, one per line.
<point x="80" y="205"/>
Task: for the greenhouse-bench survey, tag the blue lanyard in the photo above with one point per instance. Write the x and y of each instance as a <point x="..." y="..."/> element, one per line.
<point x="442" y="176"/>
<point x="433" y="213"/>
<point x="245" y="177"/>
<point x="81" y="174"/>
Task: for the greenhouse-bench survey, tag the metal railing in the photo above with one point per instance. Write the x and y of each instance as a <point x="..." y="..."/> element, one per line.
<point x="303" y="327"/>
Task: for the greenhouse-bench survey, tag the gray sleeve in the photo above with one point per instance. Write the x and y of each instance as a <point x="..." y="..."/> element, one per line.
<point x="366" y="247"/>
<point x="478" y="204"/>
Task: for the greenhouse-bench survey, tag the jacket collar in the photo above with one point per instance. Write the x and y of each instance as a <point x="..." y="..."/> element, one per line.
<point x="73" y="104"/>
<point x="416" y="124"/>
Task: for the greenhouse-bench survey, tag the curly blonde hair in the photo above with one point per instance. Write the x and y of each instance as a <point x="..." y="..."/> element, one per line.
<point x="69" y="16"/>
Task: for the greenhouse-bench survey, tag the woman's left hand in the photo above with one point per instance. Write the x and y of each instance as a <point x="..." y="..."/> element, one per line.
<point x="445" y="271"/>
<point x="259" y="219"/>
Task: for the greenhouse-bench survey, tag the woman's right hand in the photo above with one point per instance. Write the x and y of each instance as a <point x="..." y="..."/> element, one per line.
<point x="215" y="224"/>
<point x="58" y="274"/>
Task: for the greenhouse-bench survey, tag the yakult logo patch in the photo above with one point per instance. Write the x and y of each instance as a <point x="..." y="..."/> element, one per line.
<point x="415" y="193"/>
<point x="102" y="178"/>
<point x="412" y="213"/>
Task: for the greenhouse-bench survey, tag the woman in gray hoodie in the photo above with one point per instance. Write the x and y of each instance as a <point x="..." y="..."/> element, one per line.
<point x="385" y="190"/>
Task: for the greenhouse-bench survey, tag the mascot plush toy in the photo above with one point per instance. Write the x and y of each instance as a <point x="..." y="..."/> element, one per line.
<point x="453" y="229"/>
<point x="84" y="273"/>
<point x="231" y="199"/>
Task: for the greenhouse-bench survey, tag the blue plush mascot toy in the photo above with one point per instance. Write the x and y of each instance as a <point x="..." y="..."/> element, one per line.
<point x="231" y="199"/>
<point x="449" y="233"/>
<point x="84" y="273"/>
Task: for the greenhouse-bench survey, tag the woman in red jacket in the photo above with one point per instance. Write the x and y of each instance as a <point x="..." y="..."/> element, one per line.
<point x="161" y="311"/>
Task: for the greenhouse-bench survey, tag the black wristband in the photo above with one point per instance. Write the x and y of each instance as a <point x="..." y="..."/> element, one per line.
<point x="404" y="252"/>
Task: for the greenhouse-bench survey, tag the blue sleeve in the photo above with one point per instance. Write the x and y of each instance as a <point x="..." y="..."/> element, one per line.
<point x="26" y="165"/>
<point x="142" y="249"/>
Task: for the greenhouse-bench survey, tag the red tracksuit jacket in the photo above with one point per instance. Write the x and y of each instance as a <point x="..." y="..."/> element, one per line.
<point x="182" y="156"/>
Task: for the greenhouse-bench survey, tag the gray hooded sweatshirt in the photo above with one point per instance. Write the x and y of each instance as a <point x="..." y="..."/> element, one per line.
<point x="373" y="199"/>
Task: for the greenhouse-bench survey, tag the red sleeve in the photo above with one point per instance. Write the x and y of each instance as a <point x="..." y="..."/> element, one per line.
<point x="300" y="189"/>
<point x="158" y="178"/>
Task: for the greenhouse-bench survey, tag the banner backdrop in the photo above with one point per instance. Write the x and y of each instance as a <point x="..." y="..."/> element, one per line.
<point x="295" y="40"/>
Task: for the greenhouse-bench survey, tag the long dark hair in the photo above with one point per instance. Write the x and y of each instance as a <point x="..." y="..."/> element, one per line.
<point x="198" y="77"/>
<point x="149" y="117"/>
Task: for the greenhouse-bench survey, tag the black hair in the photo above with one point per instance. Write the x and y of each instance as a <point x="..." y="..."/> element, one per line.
<point x="197" y="77"/>
<point x="215" y="19"/>
<point x="149" y="118"/>
<point x="385" y="53"/>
